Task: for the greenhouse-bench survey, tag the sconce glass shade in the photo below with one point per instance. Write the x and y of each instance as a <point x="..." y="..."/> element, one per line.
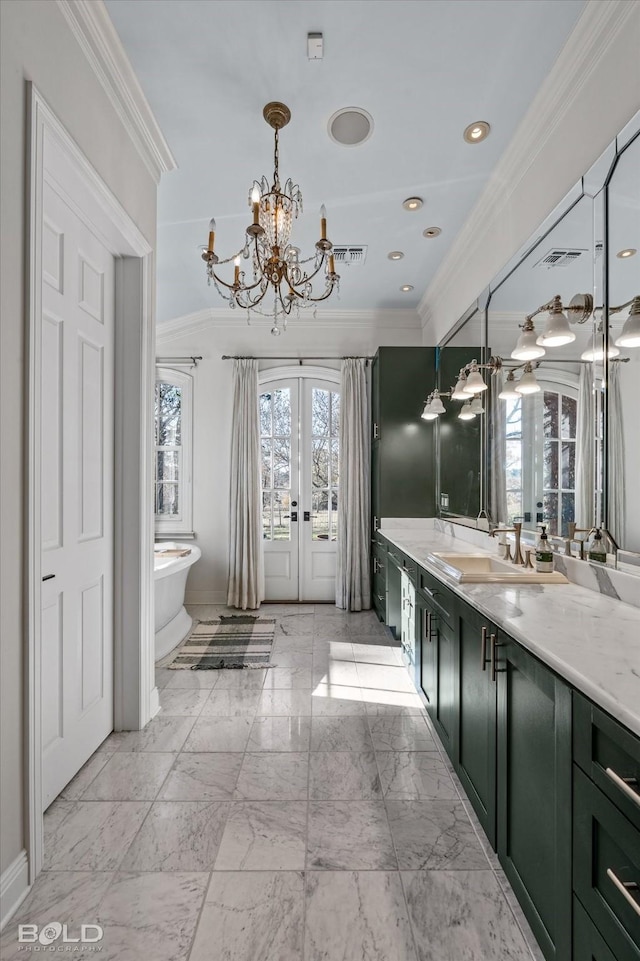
<point x="557" y="332"/>
<point x="437" y="406"/>
<point x="596" y="351"/>
<point x="476" y="405"/>
<point x="630" y="333"/>
<point x="459" y="392"/>
<point x="527" y="347"/>
<point x="528" y="383"/>
<point x="475" y="383"/>
<point x="428" y="413"/>
<point x="509" y="391"/>
<point x="465" y="411"/>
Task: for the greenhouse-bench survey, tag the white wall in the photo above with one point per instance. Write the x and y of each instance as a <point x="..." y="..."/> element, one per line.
<point x="590" y="94"/>
<point x="212" y="415"/>
<point x="37" y="45"/>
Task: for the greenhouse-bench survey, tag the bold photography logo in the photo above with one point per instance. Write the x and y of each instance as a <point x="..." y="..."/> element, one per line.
<point x="55" y="936"/>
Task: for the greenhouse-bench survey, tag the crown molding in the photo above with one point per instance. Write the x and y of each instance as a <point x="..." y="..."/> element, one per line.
<point x="92" y="27"/>
<point x="211" y="318"/>
<point x="599" y="25"/>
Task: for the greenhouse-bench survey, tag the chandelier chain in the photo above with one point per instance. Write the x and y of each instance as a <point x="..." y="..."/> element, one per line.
<point x="276" y="158"/>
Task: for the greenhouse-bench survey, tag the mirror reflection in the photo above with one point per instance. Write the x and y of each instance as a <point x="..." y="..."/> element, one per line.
<point x="544" y="433"/>
<point x="623" y="400"/>
<point x="461" y="423"/>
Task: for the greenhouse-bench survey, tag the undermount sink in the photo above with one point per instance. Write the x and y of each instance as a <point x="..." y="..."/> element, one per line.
<point x="483" y="568"/>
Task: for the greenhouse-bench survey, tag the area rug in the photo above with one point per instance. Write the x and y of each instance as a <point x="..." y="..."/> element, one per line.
<point x="234" y="640"/>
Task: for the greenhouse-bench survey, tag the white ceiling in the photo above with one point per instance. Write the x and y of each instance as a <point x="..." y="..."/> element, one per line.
<point x="424" y="69"/>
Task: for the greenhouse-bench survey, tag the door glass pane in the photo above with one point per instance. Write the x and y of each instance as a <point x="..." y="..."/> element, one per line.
<point x="282" y="412"/>
<point x="320" y="515"/>
<point x="569" y="465"/>
<point x="275" y="428"/>
<point x="281" y="516"/>
<point x="550" y="415"/>
<point x="319" y="462"/>
<point x="266" y="515"/>
<point x="167" y="465"/>
<point x="335" y="413"/>
<point x="550" y="464"/>
<point x="282" y="462"/>
<point x="335" y="453"/>
<point x="568" y="512"/>
<point x="320" y="412"/>
<point x="551" y="512"/>
<point x="569" y="417"/>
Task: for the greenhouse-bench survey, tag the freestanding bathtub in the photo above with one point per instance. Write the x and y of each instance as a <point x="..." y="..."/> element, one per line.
<point x="172" y="623"/>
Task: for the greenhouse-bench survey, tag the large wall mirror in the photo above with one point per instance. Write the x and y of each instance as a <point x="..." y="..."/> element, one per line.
<point x="555" y="439"/>
<point x="544" y="463"/>
<point x="461" y="422"/>
<point x="623" y="379"/>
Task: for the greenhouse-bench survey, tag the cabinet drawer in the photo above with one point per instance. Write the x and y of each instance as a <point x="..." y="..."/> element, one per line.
<point x="606" y="867"/>
<point x="436" y="594"/>
<point x="608" y="754"/>
<point x="588" y="944"/>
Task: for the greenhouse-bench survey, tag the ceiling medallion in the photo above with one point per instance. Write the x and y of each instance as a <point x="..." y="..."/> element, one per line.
<point x="276" y="267"/>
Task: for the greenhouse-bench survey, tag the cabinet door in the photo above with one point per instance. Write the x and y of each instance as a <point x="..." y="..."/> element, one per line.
<point x="394" y="595"/>
<point x="427" y="659"/>
<point x="534" y="792"/>
<point x="443" y="711"/>
<point x="588" y="945"/>
<point x="476" y="747"/>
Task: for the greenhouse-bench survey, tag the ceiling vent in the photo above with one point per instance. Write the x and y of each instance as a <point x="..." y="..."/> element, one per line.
<point x="560" y="257"/>
<point x="351" y="256"/>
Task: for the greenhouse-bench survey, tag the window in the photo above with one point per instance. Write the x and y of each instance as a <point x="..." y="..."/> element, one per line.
<point x="173" y="420"/>
<point x="541" y="458"/>
<point x="275" y="430"/>
<point x="325" y="430"/>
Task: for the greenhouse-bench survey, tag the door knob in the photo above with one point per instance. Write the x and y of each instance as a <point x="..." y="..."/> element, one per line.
<point x="306" y="515"/>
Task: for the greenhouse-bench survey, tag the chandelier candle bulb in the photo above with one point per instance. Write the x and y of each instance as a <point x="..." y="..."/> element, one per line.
<point x="323" y="222"/>
<point x="236" y="270"/>
<point x="332" y="266"/>
<point x="212" y="234"/>
<point x="255" y="201"/>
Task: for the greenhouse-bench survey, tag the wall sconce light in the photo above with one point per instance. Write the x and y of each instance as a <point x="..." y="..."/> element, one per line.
<point x="466" y="413"/>
<point x="475" y="383"/>
<point x="459" y="392"/>
<point x="557" y="331"/>
<point x="596" y="351"/>
<point x="528" y="383"/>
<point x="528" y="347"/>
<point x="630" y="333"/>
<point x="509" y="391"/>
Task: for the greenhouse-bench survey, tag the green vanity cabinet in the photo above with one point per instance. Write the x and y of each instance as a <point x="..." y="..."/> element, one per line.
<point x="379" y="576"/>
<point x="533" y="811"/>
<point x="606" y="827"/>
<point x="436" y="680"/>
<point x="475" y="749"/>
<point x="588" y="944"/>
<point x="403" y="445"/>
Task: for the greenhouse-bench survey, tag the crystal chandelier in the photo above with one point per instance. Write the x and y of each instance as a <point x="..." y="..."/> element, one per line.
<point x="276" y="268"/>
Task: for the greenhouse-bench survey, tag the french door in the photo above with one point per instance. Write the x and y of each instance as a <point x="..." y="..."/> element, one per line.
<point x="299" y="424"/>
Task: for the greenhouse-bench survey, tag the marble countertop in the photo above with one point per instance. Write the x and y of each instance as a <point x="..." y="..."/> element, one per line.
<point x="589" y="639"/>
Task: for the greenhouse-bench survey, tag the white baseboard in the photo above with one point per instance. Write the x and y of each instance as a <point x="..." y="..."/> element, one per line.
<point x="205" y="597"/>
<point x="154" y="702"/>
<point x="14" y="887"/>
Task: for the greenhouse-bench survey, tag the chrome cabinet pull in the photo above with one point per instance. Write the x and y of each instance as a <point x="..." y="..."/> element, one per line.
<point x="380" y="597"/>
<point x="625" y="887"/>
<point x="376" y="432"/>
<point x="48" y="577"/>
<point x="428" y="620"/>
<point x="483" y="649"/>
<point x="427" y="591"/>
<point x="627" y="784"/>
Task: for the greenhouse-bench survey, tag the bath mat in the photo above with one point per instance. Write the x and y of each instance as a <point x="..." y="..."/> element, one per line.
<point x="235" y="640"/>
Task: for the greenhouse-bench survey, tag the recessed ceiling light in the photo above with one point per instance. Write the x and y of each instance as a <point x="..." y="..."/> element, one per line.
<point x="628" y="252"/>
<point x="412" y="203"/>
<point x="477" y="131"/>
<point x="432" y="232"/>
<point x="350" y="126"/>
<point x="395" y="255"/>
<point x="406" y="288"/>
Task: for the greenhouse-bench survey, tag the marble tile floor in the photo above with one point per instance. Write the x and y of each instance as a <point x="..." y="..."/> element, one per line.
<point x="304" y="812"/>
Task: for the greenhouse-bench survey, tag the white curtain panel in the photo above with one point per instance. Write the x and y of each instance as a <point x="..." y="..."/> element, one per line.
<point x="616" y="500"/>
<point x="246" y="563"/>
<point x="497" y="451"/>
<point x="585" y="449"/>
<point x="353" y="582"/>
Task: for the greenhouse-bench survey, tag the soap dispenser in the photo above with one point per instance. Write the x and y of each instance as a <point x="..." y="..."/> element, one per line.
<point x="544" y="553"/>
<point x="597" y="550"/>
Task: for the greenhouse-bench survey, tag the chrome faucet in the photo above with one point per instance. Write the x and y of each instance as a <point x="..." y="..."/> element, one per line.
<point x="573" y="530"/>
<point x="516" y="530"/>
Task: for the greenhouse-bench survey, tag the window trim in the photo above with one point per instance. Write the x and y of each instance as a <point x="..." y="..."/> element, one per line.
<point x="183" y="526"/>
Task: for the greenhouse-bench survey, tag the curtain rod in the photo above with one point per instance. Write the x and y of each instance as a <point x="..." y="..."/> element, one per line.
<point x="299" y="359"/>
<point x="177" y="361"/>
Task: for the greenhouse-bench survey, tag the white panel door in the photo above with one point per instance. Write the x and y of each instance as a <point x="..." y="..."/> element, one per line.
<point x="280" y="488"/>
<point x="319" y="485"/>
<point x="77" y="337"/>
